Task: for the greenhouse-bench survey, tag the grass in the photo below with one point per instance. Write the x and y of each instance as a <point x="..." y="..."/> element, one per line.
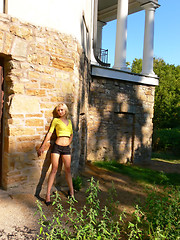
<point x="166" y="157"/>
<point x="140" y="174"/>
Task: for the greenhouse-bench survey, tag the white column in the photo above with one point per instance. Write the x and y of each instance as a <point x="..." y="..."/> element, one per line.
<point x="100" y="26"/>
<point x="121" y="35"/>
<point x="148" y="51"/>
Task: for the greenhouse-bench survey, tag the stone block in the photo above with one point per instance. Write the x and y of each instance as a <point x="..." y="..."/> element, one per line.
<point x="57" y="99"/>
<point x="22" y="31"/>
<point x="32" y="85"/>
<point x="20" y="131"/>
<point x="56" y="50"/>
<point x="4" y="26"/>
<point x="25" y="147"/>
<point x="1" y="36"/>
<point x="62" y="75"/>
<point x="9" y="144"/>
<point x="48" y="113"/>
<point x="40" y="130"/>
<point x="65" y="64"/>
<point x="19" y="48"/>
<point x="66" y="88"/>
<point x="18" y="88"/>
<point x="47" y="105"/>
<point x="39" y="58"/>
<point x="34" y="74"/>
<point x="28" y="138"/>
<point x="47" y="85"/>
<point x="13" y="181"/>
<point x="36" y="92"/>
<point x="34" y="115"/>
<point x="7" y="43"/>
<point x="44" y="69"/>
<point x="34" y="122"/>
<point x="24" y="104"/>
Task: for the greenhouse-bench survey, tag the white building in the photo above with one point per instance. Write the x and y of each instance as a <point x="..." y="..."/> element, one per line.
<point x="84" y="20"/>
<point x="50" y="51"/>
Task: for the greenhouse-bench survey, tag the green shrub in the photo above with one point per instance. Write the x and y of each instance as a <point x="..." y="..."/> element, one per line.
<point x="162" y="211"/>
<point x="77" y="183"/>
<point x="167" y="140"/>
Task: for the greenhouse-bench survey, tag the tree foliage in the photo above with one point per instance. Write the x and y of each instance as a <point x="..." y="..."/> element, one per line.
<point x="167" y="94"/>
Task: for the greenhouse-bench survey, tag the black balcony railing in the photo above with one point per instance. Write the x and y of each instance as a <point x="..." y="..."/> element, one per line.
<point x="102" y="54"/>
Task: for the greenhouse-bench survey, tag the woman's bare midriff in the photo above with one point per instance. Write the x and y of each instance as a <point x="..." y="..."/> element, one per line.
<point x="63" y="141"/>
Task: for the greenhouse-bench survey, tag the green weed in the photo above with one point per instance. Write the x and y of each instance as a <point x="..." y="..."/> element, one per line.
<point x="77" y="183"/>
<point x="91" y="222"/>
<point x="157" y="219"/>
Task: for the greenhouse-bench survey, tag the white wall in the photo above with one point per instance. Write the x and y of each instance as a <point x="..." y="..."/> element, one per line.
<point x="62" y="15"/>
<point x="1" y="6"/>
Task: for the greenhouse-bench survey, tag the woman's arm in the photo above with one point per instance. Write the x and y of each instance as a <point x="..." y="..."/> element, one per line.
<point x="41" y="149"/>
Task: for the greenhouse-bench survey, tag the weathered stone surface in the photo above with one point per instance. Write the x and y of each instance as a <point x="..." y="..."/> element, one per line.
<point x="24" y="104"/>
<point x="36" y="92"/>
<point x="65" y="64"/>
<point x="7" y="43"/>
<point x="22" y="31"/>
<point x="20" y="131"/>
<point x="18" y="88"/>
<point x="34" y="122"/>
<point x="19" y="48"/>
<point x="120" y="121"/>
<point x="25" y="147"/>
<point x="39" y="58"/>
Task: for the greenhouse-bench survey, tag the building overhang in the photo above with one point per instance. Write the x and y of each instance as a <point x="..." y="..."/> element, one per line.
<point x="99" y="71"/>
<point x="107" y="10"/>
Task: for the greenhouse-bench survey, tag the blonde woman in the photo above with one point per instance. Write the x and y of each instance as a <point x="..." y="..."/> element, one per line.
<point x="64" y="132"/>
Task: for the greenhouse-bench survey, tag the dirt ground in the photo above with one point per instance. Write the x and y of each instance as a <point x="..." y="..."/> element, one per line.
<point x="18" y="205"/>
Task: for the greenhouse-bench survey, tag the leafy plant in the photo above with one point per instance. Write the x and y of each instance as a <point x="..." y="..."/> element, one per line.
<point x="91" y="222"/>
<point x="167" y="140"/>
<point x="77" y="183"/>
<point x="157" y="219"/>
<point x="162" y="210"/>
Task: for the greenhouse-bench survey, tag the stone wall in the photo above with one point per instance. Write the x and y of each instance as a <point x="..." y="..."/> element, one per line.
<point x="112" y="119"/>
<point x="41" y="68"/>
<point x="120" y="121"/>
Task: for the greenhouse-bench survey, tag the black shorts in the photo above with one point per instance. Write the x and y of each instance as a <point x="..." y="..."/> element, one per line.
<point x="61" y="150"/>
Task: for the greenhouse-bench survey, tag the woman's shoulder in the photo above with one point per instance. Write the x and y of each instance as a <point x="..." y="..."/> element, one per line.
<point x="55" y="120"/>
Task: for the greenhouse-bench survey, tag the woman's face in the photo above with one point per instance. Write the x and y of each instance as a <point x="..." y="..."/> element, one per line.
<point x="61" y="111"/>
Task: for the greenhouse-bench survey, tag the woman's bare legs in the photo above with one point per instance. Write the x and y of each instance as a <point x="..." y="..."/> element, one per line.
<point x="55" y="163"/>
<point x="67" y="166"/>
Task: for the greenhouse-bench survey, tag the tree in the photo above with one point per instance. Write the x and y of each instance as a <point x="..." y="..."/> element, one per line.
<point x="167" y="94"/>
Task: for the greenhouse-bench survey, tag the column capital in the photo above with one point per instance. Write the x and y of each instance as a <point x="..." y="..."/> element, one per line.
<point x="101" y="24"/>
<point x="151" y="6"/>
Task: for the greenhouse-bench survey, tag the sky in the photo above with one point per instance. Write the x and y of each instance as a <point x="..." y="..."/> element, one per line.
<point x="166" y="34"/>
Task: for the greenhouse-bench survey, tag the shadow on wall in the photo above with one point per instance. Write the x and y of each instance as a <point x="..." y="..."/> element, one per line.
<point x="78" y="110"/>
<point x="116" y="132"/>
<point x="78" y="115"/>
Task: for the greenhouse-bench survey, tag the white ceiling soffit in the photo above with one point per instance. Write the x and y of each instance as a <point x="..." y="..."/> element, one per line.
<point x="107" y="9"/>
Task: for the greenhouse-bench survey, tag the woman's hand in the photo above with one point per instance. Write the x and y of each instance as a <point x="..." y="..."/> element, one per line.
<point x="40" y="151"/>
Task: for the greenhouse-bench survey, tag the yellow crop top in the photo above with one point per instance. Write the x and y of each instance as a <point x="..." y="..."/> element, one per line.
<point x="62" y="130"/>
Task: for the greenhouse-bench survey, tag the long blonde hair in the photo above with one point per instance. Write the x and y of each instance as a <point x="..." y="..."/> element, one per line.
<point x="65" y="108"/>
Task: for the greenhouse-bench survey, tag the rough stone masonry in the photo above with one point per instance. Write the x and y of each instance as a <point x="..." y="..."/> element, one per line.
<point x="112" y="119"/>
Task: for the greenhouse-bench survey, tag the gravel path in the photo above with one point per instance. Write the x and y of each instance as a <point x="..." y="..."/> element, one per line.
<point x="17" y="220"/>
